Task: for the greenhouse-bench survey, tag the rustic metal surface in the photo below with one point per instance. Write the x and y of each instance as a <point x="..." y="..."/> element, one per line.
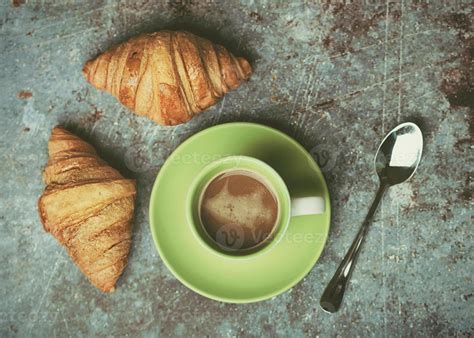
<point x="336" y="76"/>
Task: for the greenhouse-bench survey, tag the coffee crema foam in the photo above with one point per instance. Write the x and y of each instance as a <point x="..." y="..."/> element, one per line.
<point x="238" y="204"/>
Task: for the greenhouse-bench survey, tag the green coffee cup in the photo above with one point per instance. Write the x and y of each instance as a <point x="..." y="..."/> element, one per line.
<point x="287" y="207"/>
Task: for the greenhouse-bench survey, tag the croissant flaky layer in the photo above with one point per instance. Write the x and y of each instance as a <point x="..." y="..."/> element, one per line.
<point x="88" y="206"/>
<point x="167" y="76"/>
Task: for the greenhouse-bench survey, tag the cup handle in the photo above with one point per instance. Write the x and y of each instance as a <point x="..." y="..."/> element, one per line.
<point x="311" y="205"/>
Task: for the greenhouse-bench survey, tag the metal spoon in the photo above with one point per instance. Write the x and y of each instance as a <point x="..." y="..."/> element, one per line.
<point x="396" y="161"/>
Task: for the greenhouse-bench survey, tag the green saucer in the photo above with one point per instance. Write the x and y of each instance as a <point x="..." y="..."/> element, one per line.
<point x="229" y="279"/>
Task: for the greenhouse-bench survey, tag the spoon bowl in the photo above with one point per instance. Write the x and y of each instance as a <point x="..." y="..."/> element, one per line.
<point x="399" y="154"/>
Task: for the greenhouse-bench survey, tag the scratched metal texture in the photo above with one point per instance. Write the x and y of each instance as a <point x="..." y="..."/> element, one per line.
<point x="336" y="76"/>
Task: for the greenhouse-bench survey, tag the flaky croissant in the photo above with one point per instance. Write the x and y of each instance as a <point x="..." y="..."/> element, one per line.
<point x="88" y="206"/>
<point x="167" y="76"/>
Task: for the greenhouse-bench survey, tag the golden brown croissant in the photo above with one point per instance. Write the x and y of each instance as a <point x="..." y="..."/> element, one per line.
<point x="167" y="76"/>
<point x="88" y="206"/>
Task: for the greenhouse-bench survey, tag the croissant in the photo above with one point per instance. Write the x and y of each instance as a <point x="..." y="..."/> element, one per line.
<point x="167" y="76"/>
<point x="88" y="206"/>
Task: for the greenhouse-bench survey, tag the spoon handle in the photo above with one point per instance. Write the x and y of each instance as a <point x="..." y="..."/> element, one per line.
<point x="334" y="292"/>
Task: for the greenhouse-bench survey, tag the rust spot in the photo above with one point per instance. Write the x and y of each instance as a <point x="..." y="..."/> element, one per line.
<point x="397" y="14"/>
<point x="460" y="22"/>
<point x="13" y="328"/>
<point x="78" y="94"/>
<point x="344" y="199"/>
<point x="327" y="41"/>
<point x="325" y="103"/>
<point x="456" y="85"/>
<point x="26" y="129"/>
<point x="417" y="4"/>
<point x="459" y="145"/>
<point x="462" y="98"/>
<point x="351" y="20"/>
<point x="256" y="16"/>
<point x="338" y="7"/>
<point x="465" y="195"/>
<point x="176" y="5"/>
<point x="25" y="94"/>
<point x="18" y="3"/>
<point x="471" y="125"/>
<point x="468" y="296"/>
<point x="96" y="115"/>
<point x="291" y="56"/>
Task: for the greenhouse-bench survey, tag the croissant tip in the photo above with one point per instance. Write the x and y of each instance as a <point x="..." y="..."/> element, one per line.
<point x="246" y="67"/>
<point x="59" y="130"/>
<point x="59" y="127"/>
<point x="41" y="214"/>
<point x="86" y="68"/>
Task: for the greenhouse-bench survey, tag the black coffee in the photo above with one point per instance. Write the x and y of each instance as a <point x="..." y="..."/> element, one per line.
<point x="238" y="210"/>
